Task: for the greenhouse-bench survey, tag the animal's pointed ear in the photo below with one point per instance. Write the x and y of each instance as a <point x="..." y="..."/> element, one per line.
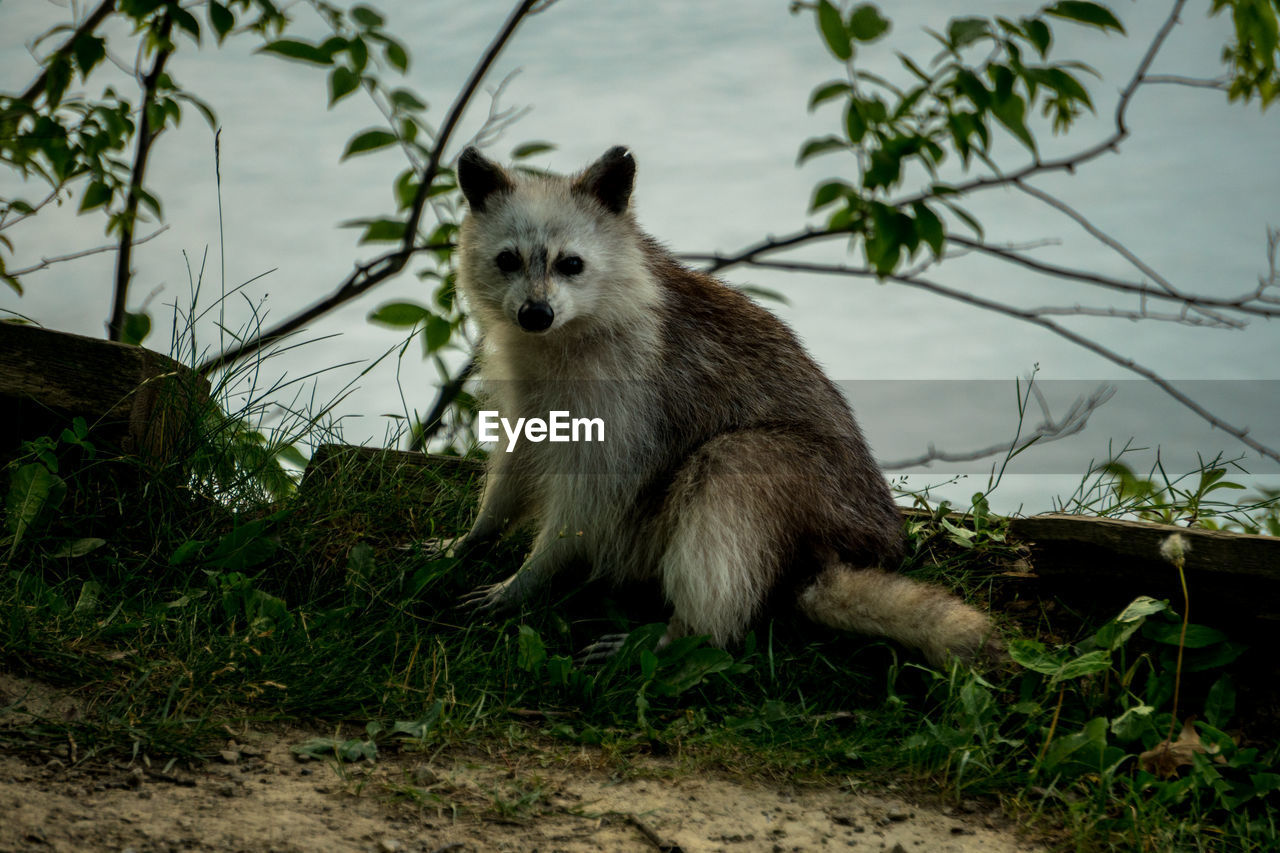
<point x="480" y="178"/>
<point x="610" y="179"/>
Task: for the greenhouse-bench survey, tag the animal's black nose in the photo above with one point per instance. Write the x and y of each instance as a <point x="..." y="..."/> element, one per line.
<point x="535" y="316"/>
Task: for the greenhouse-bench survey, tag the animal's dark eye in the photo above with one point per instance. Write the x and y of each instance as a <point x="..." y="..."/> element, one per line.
<point x="507" y="261"/>
<point x="569" y="265"/>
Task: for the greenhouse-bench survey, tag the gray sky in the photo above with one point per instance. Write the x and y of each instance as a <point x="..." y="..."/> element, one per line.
<point x="711" y="98"/>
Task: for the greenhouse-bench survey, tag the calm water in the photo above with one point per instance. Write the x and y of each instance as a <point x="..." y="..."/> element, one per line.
<point x="711" y="98"/>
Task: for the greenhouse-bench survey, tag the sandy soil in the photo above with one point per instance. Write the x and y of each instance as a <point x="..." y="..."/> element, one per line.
<point x="258" y="796"/>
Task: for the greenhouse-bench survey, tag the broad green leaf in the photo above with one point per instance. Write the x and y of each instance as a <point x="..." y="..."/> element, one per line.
<point x="866" y="23"/>
<point x="1197" y="636"/>
<point x="855" y="124"/>
<point x="399" y="315"/>
<point x="827" y="91"/>
<point x="962" y="32"/>
<point x="820" y="145"/>
<point x="298" y="50"/>
<point x="221" y="19"/>
<point x="437" y="332"/>
<point x="342" y="82"/>
<point x="530" y="650"/>
<point x="827" y="194"/>
<point x="31" y="488"/>
<point x="89" y="50"/>
<point x="1090" y="14"/>
<point x="405" y="100"/>
<point x="531" y="149"/>
<point x="186" y="21"/>
<point x="1220" y="703"/>
<point x="95" y="195"/>
<point x="137" y="325"/>
<point x="383" y="231"/>
<point x="366" y="16"/>
<point x="929" y="227"/>
<point x="833" y="31"/>
<point x="78" y="548"/>
<point x="87" y="602"/>
<point x="397" y="56"/>
<point x="369" y="140"/>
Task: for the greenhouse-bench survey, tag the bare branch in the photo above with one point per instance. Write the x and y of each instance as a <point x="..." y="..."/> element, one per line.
<point x="369" y="275"/>
<point x="1239" y="303"/>
<point x="1222" y="84"/>
<point x="45" y="263"/>
<point x="1050" y="429"/>
<point x="36" y="208"/>
<point x="1241" y="433"/>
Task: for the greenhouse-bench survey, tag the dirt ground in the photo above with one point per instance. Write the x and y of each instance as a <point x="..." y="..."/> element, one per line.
<point x="258" y="796"/>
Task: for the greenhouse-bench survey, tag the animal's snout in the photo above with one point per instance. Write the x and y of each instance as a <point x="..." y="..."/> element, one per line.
<point x="535" y="316"/>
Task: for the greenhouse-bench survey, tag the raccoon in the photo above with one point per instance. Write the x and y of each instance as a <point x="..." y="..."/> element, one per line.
<point x="732" y="470"/>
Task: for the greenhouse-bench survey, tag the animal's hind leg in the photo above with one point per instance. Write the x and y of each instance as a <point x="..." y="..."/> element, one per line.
<point x="727" y="529"/>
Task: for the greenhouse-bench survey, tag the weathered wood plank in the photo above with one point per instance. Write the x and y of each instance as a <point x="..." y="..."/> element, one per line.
<point x="1214" y="552"/>
<point x="133" y="397"/>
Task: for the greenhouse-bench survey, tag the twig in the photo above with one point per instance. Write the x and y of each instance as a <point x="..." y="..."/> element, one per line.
<point x="115" y="326"/>
<point x="9" y="223"/>
<point x="1005" y="253"/>
<point x="1075" y="420"/>
<point x="1240" y="433"/>
<point x="380" y="269"/>
<point x="45" y="263"/>
<point x="1219" y="83"/>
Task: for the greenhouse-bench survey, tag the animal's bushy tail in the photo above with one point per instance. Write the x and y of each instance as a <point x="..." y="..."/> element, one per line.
<point x="919" y="615"/>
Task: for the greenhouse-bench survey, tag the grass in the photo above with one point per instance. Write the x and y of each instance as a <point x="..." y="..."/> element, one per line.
<point x="174" y="602"/>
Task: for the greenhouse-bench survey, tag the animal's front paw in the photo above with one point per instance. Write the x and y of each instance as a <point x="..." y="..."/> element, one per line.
<point x="440" y="548"/>
<point x="491" y="599"/>
<point x="602" y="650"/>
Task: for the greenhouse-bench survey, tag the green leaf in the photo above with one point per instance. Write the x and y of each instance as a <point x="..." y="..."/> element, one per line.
<point x="221" y="19"/>
<point x="530" y="650"/>
<point x="405" y="100"/>
<point x="820" y="145"/>
<point x="827" y="91"/>
<point x="397" y="56"/>
<point x="1197" y="636"/>
<point x="31" y="488"/>
<point x="531" y="149"/>
<point x="382" y="231"/>
<point x="1089" y="14"/>
<point x="438" y="332"/>
<point x="1039" y="34"/>
<point x="827" y="194"/>
<point x="833" y="31"/>
<point x="866" y="23"/>
<point x="962" y="32"/>
<point x="399" y="315"/>
<point x="855" y="125"/>
<point x="369" y="140"/>
<point x="342" y="82"/>
<point x="89" y="50"/>
<point x="87" y="602"/>
<point x="186" y="21"/>
<point x="1220" y="703"/>
<point x="78" y="548"/>
<point x="95" y="195"/>
<point x="137" y="325"/>
<point x="1011" y="111"/>
<point x="297" y="50"/>
<point x="929" y="227"/>
<point x="366" y="16"/>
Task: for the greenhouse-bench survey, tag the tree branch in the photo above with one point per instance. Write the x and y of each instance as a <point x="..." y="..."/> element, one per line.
<point x="115" y="326"/>
<point x="1240" y="433"/>
<point x="369" y="275"/>
<point x="45" y="263"/>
